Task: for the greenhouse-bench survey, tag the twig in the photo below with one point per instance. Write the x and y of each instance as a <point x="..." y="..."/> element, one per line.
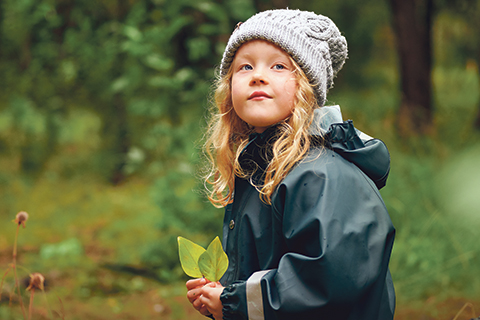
<point x="468" y="304"/>
<point x="61" y="305"/>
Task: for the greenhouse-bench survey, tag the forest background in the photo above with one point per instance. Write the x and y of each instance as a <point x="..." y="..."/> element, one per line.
<point x="102" y="109"/>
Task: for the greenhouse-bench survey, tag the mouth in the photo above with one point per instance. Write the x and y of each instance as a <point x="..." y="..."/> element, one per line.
<point x="259" y="95"/>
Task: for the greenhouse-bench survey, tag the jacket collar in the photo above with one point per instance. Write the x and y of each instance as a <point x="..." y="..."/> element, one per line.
<point x="370" y="155"/>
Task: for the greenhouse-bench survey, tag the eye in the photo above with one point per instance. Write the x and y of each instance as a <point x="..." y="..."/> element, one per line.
<point x="246" y="67"/>
<point x="279" y="66"/>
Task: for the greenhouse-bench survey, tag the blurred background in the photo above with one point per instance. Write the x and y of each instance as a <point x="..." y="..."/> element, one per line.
<point x="102" y="109"/>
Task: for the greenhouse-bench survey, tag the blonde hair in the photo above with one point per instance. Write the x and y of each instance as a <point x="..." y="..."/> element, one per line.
<point x="227" y="135"/>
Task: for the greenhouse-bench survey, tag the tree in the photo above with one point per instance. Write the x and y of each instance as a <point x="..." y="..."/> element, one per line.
<point x="470" y="10"/>
<point x="467" y="45"/>
<point x="412" y="21"/>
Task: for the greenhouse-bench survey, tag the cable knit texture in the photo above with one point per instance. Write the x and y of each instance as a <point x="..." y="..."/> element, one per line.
<point x="312" y="40"/>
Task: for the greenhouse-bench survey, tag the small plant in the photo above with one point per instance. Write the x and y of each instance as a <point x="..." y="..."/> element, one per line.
<point x="37" y="280"/>
<point x="20" y="219"/>
<point x="198" y="262"/>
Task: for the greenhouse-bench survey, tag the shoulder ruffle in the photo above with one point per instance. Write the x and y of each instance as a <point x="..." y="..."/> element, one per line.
<point x="371" y="156"/>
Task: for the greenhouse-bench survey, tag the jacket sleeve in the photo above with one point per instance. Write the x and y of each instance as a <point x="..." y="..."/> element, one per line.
<point x="338" y="236"/>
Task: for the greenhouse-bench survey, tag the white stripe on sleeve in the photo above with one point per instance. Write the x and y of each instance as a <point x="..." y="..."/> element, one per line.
<point x="254" y="296"/>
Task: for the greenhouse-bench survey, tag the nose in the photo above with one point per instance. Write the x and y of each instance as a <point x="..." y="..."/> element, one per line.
<point x="258" y="77"/>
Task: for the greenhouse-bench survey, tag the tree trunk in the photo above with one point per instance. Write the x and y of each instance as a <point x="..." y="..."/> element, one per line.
<point x="476" y="124"/>
<point x="121" y="142"/>
<point x="116" y="121"/>
<point x="477" y="119"/>
<point x="412" y="21"/>
<point x="63" y="9"/>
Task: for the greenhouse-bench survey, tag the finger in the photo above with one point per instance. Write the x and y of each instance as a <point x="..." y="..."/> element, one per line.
<point x="193" y="283"/>
<point x="203" y="300"/>
<point x="193" y="294"/>
<point x="207" y="290"/>
<point x="204" y="311"/>
<point x="198" y="305"/>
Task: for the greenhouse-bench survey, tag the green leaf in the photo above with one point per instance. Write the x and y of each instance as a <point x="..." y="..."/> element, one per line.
<point x="159" y="62"/>
<point x="133" y="33"/>
<point x="190" y="253"/>
<point x="198" y="262"/>
<point x="213" y="262"/>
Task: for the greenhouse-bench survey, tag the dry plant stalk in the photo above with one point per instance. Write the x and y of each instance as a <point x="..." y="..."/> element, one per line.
<point x="36" y="282"/>
<point x="63" y="310"/>
<point x="3" y="278"/>
<point x="20" y="219"/>
<point x="468" y="304"/>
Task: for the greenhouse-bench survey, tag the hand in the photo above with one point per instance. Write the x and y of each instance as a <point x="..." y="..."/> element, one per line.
<point x="194" y="288"/>
<point x="210" y="298"/>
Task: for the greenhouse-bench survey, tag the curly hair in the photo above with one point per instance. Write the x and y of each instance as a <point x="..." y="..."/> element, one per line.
<point x="227" y="135"/>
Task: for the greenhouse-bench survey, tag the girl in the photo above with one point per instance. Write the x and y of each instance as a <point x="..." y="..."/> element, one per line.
<point x="306" y="231"/>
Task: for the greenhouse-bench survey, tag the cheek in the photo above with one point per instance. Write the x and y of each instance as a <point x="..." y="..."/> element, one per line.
<point x="290" y="90"/>
<point x="235" y="92"/>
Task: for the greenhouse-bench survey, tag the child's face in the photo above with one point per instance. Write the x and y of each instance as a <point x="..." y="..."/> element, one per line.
<point x="263" y="84"/>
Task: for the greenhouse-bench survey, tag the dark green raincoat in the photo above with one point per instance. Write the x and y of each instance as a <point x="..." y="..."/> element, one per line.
<point x="321" y="250"/>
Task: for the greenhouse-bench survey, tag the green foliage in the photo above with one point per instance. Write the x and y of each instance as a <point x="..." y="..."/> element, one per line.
<point x="198" y="262"/>
<point x="189" y="253"/>
<point x="185" y="212"/>
<point x="69" y="251"/>
<point x="139" y="66"/>
<point x="213" y="263"/>
<point x="435" y="246"/>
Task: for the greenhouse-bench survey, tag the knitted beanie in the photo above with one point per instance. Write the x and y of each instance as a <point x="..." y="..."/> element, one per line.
<point x="312" y="40"/>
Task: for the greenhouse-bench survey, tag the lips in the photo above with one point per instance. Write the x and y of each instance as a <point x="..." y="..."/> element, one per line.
<point x="259" y="95"/>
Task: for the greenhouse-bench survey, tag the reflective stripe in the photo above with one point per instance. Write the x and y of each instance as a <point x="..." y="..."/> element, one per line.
<point x="254" y="296"/>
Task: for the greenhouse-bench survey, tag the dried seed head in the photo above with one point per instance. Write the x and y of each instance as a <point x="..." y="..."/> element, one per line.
<point x="36" y="281"/>
<point x="21" y="218"/>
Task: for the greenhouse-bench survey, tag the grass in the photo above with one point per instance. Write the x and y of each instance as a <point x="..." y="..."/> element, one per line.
<point x="111" y="225"/>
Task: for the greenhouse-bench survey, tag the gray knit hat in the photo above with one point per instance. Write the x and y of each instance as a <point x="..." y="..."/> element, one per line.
<point x="312" y="40"/>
